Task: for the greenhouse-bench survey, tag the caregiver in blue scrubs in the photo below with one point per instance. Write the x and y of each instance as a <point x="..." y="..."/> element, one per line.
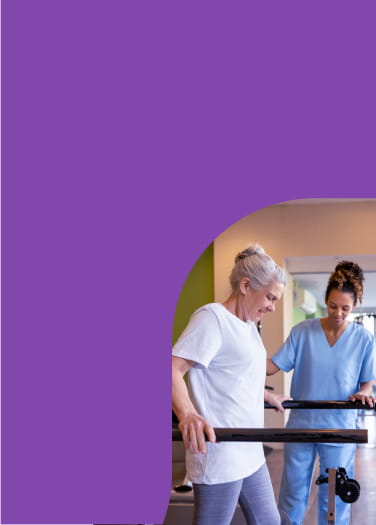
<point x="332" y="359"/>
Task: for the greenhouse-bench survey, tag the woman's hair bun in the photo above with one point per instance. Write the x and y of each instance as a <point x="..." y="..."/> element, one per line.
<point x="351" y="269"/>
<point x="253" y="249"/>
<point x="347" y="277"/>
<point x="256" y="266"/>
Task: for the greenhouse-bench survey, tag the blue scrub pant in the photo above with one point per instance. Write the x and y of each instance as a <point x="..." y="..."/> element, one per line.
<point x="299" y="463"/>
<point x="216" y="504"/>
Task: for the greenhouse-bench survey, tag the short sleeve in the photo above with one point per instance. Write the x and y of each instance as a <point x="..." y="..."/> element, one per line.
<point x="368" y="370"/>
<point x="201" y="339"/>
<point x="286" y="355"/>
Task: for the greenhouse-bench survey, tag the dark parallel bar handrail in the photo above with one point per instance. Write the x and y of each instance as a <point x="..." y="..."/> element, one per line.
<point x="350" y="405"/>
<point x="287" y="435"/>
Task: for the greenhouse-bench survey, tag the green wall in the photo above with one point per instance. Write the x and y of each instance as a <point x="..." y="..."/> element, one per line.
<point x="299" y="315"/>
<point x="198" y="289"/>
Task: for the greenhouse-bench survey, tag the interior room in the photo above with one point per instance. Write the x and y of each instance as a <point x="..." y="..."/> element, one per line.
<point x="307" y="238"/>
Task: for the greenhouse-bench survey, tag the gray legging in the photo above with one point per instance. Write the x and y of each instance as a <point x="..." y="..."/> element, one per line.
<point x="216" y="504"/>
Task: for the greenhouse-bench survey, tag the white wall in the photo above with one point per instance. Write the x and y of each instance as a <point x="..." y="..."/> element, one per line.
<point x="298" y="230"/>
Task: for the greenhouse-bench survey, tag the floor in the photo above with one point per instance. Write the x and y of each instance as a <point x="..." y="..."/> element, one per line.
<point x="363" y="511"/>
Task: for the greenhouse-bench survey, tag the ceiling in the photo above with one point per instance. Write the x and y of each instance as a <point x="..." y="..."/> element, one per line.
<point x="312" y="273"/>
<point x="298" y="202"/>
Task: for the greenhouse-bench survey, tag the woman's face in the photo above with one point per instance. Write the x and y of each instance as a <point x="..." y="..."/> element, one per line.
<point x="339" y="305"/>
<point x="259" y="302"/>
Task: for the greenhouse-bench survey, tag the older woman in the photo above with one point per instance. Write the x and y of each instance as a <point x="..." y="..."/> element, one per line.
<point x="226" y="360"/>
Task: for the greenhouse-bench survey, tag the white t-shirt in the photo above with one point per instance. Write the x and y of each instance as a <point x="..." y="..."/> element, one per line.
<point x="226" y="385"/>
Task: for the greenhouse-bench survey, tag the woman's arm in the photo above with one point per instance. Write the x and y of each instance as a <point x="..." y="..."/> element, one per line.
<point x="364" y="394"/>
<point x="192" y="426"/>
<point x="271" y="368"/>
<point x="275" y="399"/>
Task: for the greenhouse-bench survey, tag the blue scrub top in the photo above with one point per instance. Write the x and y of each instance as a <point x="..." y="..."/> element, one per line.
<point x="324" y="372"/>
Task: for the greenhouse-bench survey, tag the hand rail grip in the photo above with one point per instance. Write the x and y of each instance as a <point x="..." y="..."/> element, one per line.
<point x="288" y="435"/>
<point x="350" y="405"/>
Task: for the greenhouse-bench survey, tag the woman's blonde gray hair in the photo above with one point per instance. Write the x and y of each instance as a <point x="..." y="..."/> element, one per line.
<point x="254" y="264"/>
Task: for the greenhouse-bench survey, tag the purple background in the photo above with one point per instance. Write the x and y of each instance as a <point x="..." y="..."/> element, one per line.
<point x="135" y="132"/>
